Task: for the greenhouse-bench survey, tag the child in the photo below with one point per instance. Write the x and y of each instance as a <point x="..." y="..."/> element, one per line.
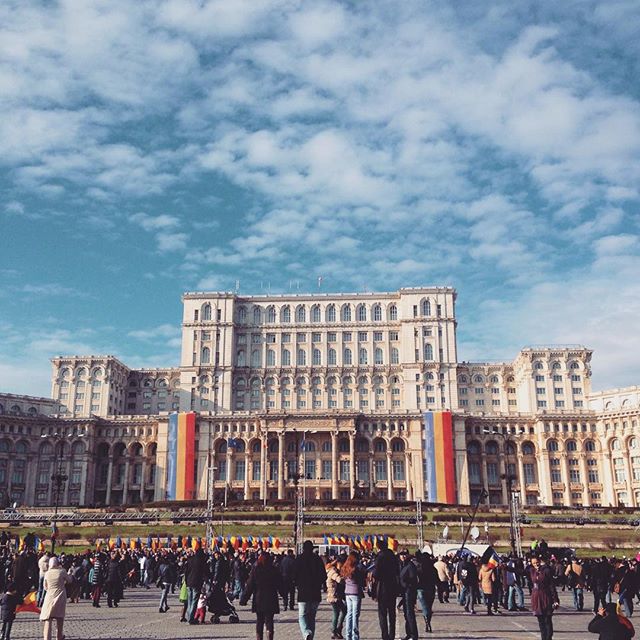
<point x="8" y="603"/>
<point x="201" y="611"/>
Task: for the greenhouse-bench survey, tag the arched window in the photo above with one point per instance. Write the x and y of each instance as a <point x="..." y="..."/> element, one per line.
<point x="302" y="358"/>
<point x="556" y="365"/>
<point x="255" y="447"/>
<point x="271" y="314"/>
<point x="552" y="445"/>
<point x="348" y="358"/>
<point x="395" y="356"/>
<point x="256" y="358"/>
<point x="286" y="358"/>
<point x="315" y="313"/>
<point x="538" y="365"/>
<point x="426" y="308"/>
<point x="575" y="365"/>
<point x="332" y="357"/>
<point x="206" y="312"/>
<point x="473" y="448"/>
<point x="362" y="445"/>
<point x="379" y="356"/>
<point x="376" y="313"/>
<point x="363" y="357"/>
<point x="362" y="313"/>
<point x="633" y="443"/>
<point x="301" y="313"/>
<point x="331" y="313"/>
<point x="273" y="446"/>
<point x="242" y="314"/>
<point x="345" y="313"/>
<point x="271" y="358"/>
<point x="615" y="444"/>
<point x="317" y="357"/>
<point x="478" y="379"/>
<point x="528" y="449"/>
<point x="285" y="314"/>
<point x="257" y="315"/>
<point x="590" y="445"/>
<point x="240" y="358"/>
<point x="571" y="445"/>
<point x="380" y="446"/>
<point x="206" y="355"/>
<point x="397" y="445"/>
<point x="494" y="379"/>
<point x="428" y="352"/>
<point x="491" y="448"/>
<point x="309" y="446"/>
<point x="343" y="445"/>
<point x="326" y="446"/>
<point x="393" y="312"/>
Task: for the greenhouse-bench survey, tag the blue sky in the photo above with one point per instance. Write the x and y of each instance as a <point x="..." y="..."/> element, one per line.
<point x="153" y="147"/>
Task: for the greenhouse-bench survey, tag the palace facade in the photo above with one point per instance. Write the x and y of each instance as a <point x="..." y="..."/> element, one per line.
<point x="337" y="386"/>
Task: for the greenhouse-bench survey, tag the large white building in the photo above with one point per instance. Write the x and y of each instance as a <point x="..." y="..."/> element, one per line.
<point x="351" y="375"/>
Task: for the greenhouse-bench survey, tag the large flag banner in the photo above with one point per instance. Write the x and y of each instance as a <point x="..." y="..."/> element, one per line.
<point x="438" y="450"/>
<point x="181" y="456"/>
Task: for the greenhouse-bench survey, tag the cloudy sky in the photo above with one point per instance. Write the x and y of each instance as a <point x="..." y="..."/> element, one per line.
<point x="153" y="147"/>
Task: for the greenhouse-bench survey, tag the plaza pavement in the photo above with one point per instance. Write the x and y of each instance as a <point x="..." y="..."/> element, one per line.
<point x="137" y="618"/>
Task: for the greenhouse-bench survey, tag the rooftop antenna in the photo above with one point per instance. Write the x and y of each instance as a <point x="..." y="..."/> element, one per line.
<point x="319" y="282"/>
<point x="237" y="286"/>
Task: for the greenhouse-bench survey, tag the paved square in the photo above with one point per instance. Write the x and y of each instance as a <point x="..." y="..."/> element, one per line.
<point x="137" y="618"/>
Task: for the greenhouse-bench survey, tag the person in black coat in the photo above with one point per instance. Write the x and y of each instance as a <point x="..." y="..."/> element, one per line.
<point x="8" y="603"/>
<point x="114" y="581"/>
<point x="288" y="588"/>
<point x="610" y="626"/>
<point x="386" y="576"/>
<point x="264" y="584"/>
<point x="195" y="574"/>
<point x="409" y="586"/>
<point x="427" y="581"/>
<point x="309" y="576"/>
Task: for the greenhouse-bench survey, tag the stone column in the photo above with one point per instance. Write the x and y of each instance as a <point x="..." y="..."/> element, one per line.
<point x="352" y="464"/>
<point x="584" y="475"/>
<point x="607" y="480"/>
<point x="627" y="475"/>
<point x="564" y="466"/>
<point x="523" y="484"/>
<point x="143" y="479"/>
<point x="408" y="469"/>
<point x="109" y="478"/>
<point x="503" y="470"/>
<point x="125" y="486"/>
<point x="334" y="465"/>
<point x="371" y="476"/>
<point x="263" y="464"/>
<point x="247" y="471"/>
<point x="85" y="481"/>
<point x="229" y="480"/>
<point x="544" y="478"/>
<point x="281" y="465"/>
<point x="389" y="477"/>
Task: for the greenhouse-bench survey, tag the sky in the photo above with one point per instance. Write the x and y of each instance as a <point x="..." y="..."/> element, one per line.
<point x="154" y="147"/>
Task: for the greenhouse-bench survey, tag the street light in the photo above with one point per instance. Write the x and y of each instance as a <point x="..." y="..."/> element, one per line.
<point x="58" y="478"/>
<point x="509" y="477"/>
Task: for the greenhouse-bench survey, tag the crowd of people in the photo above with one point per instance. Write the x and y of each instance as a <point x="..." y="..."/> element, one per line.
<point x="208" y="584"/>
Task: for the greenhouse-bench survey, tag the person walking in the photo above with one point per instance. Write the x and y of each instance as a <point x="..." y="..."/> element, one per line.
<point x="264" y="585"/>
<point x="114" y="581"/>
<point x="8" y="603"/>
<point x="55" y="599"/>
<point x="288" y="587"/>
<point x="468" y="577"/>
<point x="544" y="598"/>
<point x="308" y="575"/>
<point x="354" y="579"/>
<point x="409" y="587"/>
<point x="444" y="577"/>
<point x="574" y="574"/>
<point x="167" y="576"/>
<point x="195" y="574"/>
<point x="335" y="596"/>
<point x="428" y="581"/>
<point x="487" y="579"/>
<point x="386" y="587"/>
<point x="43" y="565"/>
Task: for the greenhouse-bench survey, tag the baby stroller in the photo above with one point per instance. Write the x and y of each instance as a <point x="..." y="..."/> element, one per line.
<point x="218" y="605"/>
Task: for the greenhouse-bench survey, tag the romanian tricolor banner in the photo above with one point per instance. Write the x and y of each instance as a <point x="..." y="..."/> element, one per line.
<point x="438" y="450"/>
<point x="181" y="456"/>
<point x="29" y="604"/>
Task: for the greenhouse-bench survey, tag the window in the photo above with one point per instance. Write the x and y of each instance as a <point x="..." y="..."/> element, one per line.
<point x="362" y="336"/>
<point x="271" y="358"/>
<point x="395" y="356"/>
<point x="593" y="475"/>
<point x="574" y="475"/>
<point x="331" y="358"/>
<point x="492" y="473"/>
<point x="540" y="391"/>
<point x="271" y="314"/>
<point x="315" y="313"/>
<point x="344" y="470"/>
<point x="380" y="470"/>
<point x="474" y="472"/>
<point x="347" y="359"/>
<point x="377" y="313"/>
<point x="379" y="356"/>
<point x="301" y="360"/>
<point x="393" y="313"/>
<point x="529" y="473"/>
<point x="331" y="313"/>
<point x="301" y="313"/>
<point x="363" y="357"/>
<point x="428" y="351"/>
<point x="285" y="314"/>
<point x="345" y="313"/>
<point x="206" y="313"/>
<point x="326" y="470"/>
<point x="317" y="357"/>
<point x="255" y="473"/>
<point x="426" y="308"/>
<point x="362" y="313"/>
<point x="397" y="467"/>
<point x="542" y="404"/>
<point x="256" y="358"/>
<point x="301" y="337"/>
<point x="286" y="358"/>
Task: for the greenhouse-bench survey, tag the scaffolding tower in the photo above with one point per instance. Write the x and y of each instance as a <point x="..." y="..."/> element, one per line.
<point x="515" y="523"/>
<point x="419" y="524"/>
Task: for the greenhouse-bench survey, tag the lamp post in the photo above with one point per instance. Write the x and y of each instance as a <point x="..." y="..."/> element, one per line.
<point x="295" y="476"/>
<point x="509" y="477"/>
<point x="58" y="478"/>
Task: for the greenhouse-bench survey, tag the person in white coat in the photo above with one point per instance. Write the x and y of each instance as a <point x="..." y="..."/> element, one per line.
<point x="55" y="599"/>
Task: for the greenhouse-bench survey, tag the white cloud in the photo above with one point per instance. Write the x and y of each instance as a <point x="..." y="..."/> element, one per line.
<point x="164" y="227"/>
